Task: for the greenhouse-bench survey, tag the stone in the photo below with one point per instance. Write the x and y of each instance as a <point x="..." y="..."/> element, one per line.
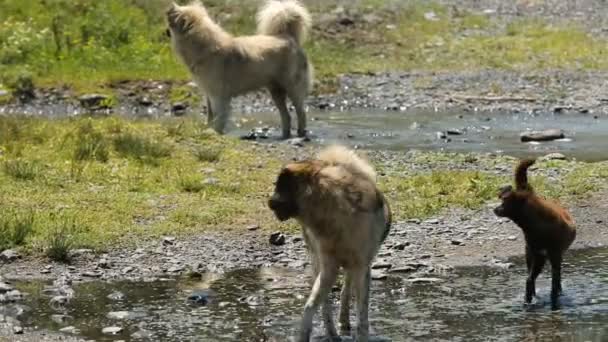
<point x="9" y="255"/>
<point x="546" y="135"/>
<point x="14" y="296"/>
<point x="423" y="280"/>
<point x="178" y="108"/>
<point x="553" y="156"/>
<point x="403" y="269"/>
<point x="378" y="275"/>
<point x="381" y="265"/>
<point x="127" y="269"/>
<point x="277" y="239"/>
<point x="111" y="330"/>
<point x="59" y="302"/>
<point x="93" y="101"/>
<point x="145" y="101"/>
<point x="61" y="319"/>
<point x="104" y="263"/>
<point x="70" y="330"/>
<point x="91" y="274"/>
<point x="401" y="245"/>
<point x="168" y="240"/>
<point x="200" y="297"/>
<point x="253" y="227"/>
<point x="454" y="131"/>
<point x="116" y="295"/>
<point x="457" y="242"/>
<point x="118" y="315"/>
<point x="5" y="287"/>
<point x="17" y="330"/>
<point x="432" y="221"/>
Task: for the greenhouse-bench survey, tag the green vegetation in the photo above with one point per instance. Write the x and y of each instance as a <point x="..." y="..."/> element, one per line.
<point x="99" y="182"/>
<point x="61" y="41"/>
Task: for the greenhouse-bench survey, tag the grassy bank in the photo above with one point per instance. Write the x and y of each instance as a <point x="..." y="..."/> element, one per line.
<point x="96" y="182"/>
<point x="88" y="44"/>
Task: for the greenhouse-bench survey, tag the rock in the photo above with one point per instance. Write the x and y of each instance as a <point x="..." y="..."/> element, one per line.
<point x="118" y="315"/>
<point x="142" y="335"/>
<point x="381" y="265"/>
<point x="168" y="240"/>
<point x="201" y="297"/>
<point x="425" y="280"/>
<point x="145" y="101"/>
<point x="4" y="287"/>
<point x="116" y="295"/>
<point x="127" y="269"/>
<point x="91" y="274"/>
<point x="61" y="319"/>
<point x="440" y="135"/>
<point x="253" y="227"/>
<point x="17" y="330"/>
<point x="401" y="245"/>
<point x="94" y="101"/>
<point x="403" y="269"/>
<point x="178" y="108"/>
<point x="456" y="242"/>
<point x="175" y="269"/>
<point x="512" y="238"/>
<point x="553" y="156"/>
<point x="70" y="330"/>
<point x="104" y="263"/>
<point x="299" y="141"/>
<point x="277" y="239"/>
<point x="14" y="296"/>
<point x="211" y="181"/>
<point x="454" y="131"/>
<point x="346" y="21"/>
<point x="378" y="275"/>
<point x="111" y="330"/>
<point x="432" y="221"/>
<point x="59" y="302"/>
<point x="546" y="135"/>
<point x="431" y="16"/>
<point x="9" y="255"/>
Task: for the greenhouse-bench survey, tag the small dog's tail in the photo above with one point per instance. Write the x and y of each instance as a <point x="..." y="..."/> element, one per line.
<point x="284" y="18"/>
<point x="521" y="174"/>
<point x="340" y="155"/>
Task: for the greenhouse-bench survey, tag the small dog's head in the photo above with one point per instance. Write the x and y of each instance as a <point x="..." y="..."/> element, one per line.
<point x="511" y="202"/>
<point x="291" y="181"/>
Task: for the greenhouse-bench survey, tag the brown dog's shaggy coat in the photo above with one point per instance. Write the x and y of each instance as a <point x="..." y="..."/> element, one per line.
<point x="225" y="66"/>
<point x="345" y="218"/>
<point x="548" y="229"/>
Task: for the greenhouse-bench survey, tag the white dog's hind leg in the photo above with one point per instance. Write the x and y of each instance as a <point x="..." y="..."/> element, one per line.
<point x="298" y="102"/>
<point x="345" y="296"/>
<point x="279" y="97"/>
<point x="361" y="281"/>
<point x="320" y="290"/>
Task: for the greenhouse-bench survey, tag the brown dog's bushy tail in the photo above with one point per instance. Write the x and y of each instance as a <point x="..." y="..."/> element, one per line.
<point x="284" y="18"/>
<point x="521" y="174"/>
<point x="340" y="155"/>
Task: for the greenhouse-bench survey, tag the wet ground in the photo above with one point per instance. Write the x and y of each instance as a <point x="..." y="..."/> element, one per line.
<point x="469" y="304"/>
<point x="452" y="130"/>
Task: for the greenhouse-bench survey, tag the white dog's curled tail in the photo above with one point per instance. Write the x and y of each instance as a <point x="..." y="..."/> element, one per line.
<point x="280" y="18"/>
<point x="340" y="155"/>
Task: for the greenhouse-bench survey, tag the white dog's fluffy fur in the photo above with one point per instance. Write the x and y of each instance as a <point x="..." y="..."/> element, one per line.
<point x="225" y="66"/>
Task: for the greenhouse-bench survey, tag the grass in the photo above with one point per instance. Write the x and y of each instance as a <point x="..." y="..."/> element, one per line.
<point x="20" y="169"/>
<point x="199" y="181"/>
<point x="58" y="42"/>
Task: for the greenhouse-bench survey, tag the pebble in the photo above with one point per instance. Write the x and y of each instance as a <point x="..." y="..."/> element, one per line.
<point x="425" y="280"/>
<point x="111" y="330"/>
<point x="118" y="315"/>
<point x="378" y="275"/>
<point x="277" y="239"/>
<point x="9" y="255"/>
<point x="70" y="330"/>
<point x="4" y="287"/>
<point x="168" y="240"/>
<point x="17" y="330"/>
<point x="116" y="295"/>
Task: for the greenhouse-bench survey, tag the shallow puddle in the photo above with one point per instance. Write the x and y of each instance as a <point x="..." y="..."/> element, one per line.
<point x="480" y="131"/>
<point x="472" y="304"/>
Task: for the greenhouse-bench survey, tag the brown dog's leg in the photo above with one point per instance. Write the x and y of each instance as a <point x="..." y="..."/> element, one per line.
<point x="556" y="277"/>
<point x="345" y="297"/>
<point x="320" y="290"/>
<point x="537" y="261"/>
<point x="361" y="281"/>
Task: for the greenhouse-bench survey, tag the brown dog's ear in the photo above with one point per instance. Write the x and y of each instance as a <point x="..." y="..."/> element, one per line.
<point x="505" y="192"/>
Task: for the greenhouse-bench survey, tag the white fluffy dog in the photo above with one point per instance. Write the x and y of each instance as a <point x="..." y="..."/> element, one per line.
<point x="224" y="66"/>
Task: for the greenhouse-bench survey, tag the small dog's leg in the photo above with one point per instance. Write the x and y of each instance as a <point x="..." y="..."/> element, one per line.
<point x="279" y="97"/>
<point x="345" y="296"/>
<point x="320" y="290"/>
<point x="298" y="103"/>
<point x="362" y="282"/>
<point x="556" y="277"/>
<point x="537" y="262"/>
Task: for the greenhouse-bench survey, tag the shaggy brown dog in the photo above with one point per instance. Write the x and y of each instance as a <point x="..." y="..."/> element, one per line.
<point x="225" y="66"/>
<point x="548" y="229"/>
<point x="345" y="219"/>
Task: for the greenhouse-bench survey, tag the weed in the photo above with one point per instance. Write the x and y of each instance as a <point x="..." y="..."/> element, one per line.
<point x="90" y="144"/>
<point x="21" y="169"/>
<point x="191" y="183"/>
<point x="61" y="237"/>
<point x="208" y="154"/>
<point x="15" y="228"/>
<point x="140" y="148"/>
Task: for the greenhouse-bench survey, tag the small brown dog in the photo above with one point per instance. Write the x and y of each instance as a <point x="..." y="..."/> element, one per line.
<point x="548" y="229"/>
<point x="345" y="219"/>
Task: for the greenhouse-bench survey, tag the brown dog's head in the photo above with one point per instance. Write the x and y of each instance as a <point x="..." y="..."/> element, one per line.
<point x="292" y="179"/>
<point x="511" y="204"/>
